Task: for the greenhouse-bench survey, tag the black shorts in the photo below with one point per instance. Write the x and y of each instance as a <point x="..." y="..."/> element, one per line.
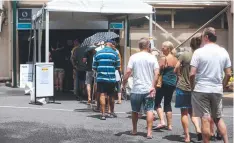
<point x="118" y="87"/>
<point x="106" y="87"/>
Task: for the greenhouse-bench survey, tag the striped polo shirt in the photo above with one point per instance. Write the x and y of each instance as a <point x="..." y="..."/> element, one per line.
<point x="106" y="61"/>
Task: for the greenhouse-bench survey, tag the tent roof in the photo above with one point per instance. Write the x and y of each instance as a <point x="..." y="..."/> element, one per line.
<point x="100" y="6"/>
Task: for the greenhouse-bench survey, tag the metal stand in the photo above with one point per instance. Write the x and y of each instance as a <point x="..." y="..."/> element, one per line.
<point x="35" y="94"/>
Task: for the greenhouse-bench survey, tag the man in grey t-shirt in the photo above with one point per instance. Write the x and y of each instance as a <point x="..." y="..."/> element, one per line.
<point x="207" y="66"/>
<point x="144" y="68"/>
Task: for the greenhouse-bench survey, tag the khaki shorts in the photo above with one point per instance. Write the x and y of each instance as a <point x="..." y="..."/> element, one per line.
<point x="89" y="77"/>
<point x="59" y="71"/>
<point x="207" y="104"/>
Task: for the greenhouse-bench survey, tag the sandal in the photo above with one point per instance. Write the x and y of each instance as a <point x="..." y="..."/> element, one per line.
<point x="89" y="102"/>
<point x="149" y="137"/>
<point x="169" y="129"/>
<point x="159" y="127"/>
<point x="103" y="117"/>
<point x="112" y="115"/>
<point x="118" y="102"/>
<point x="133" y="134"/>
<point x="199" y="137"/>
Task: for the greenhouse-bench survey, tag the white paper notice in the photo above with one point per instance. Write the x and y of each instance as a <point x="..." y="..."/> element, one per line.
<point x="44" y="76"/>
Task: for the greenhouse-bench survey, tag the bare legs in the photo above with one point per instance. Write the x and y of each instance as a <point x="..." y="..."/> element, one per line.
<point x="58" y="79"/>
<point x="74" y="81"/>
<point x="111" y="103"/>
<point x="206" y="132"/>
<point x="161" y="116"/>
<point x="102" y="103"/>
<point x="119" y="98"/>
<point x="222" y="129"/>
<point x="169" y="120"/>
<point x="205" y="127"/>
<point x="89" y="91"/>
<point x="185" y="123"/>
<point x="134" y="122"/>
<point x="150" y="118"/>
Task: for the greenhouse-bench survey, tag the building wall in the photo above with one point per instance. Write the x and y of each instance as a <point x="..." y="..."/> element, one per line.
<point x="30" y="3"/>
<point x="160" y="37"/>
<point x="5" y="44"/>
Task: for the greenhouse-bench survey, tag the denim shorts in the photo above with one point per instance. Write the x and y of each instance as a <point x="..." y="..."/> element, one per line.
<point x="137" y="100"/>
<point x="183" y="99"/>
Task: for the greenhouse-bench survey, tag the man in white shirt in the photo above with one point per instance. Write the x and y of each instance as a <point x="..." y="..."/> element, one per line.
<point x="206" y="78"/>
<point x="144" y="68"/>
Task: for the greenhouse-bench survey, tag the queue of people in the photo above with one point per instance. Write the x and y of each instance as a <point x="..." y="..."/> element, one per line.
<point x="196" y="77"/>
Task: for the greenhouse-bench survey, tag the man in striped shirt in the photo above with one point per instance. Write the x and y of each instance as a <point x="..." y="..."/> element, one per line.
<point x="106" y="61"/>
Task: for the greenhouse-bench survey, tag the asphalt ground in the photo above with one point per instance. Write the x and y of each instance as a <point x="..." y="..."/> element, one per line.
<point x="75" y="122"/>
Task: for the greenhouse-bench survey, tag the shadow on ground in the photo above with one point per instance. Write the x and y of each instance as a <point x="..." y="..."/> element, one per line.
<point x="227" y="101"/>
<point x="142" y="117"/>
<point x="64" y="96"/>
<point x="130" y="134"/>
<point x="178" y="138"/>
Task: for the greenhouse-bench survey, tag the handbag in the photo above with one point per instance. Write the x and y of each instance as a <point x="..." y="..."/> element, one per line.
<point x="160" y="77"/>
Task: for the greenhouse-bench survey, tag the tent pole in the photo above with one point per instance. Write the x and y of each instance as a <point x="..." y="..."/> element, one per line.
<point x="14" y="74"/>
<point x="108" y="25"/>
<point x="39" y="42"/>
<point x="34" y="43"/>
<point x="151" y="25"/>
<point x="47" y="26"/>
<point x="125" y="41"/>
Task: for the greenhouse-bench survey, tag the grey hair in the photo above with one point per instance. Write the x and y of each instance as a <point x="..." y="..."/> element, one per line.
<point x="144" y="43"/>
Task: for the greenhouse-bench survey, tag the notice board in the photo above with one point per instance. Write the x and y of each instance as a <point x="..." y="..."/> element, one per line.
<point x="44" y="79"/>
<point x="26" y="75"/>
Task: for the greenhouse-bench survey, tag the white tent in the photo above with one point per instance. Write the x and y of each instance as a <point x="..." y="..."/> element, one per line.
<point x="94" y="10"/>
<point x="100" y="6"/>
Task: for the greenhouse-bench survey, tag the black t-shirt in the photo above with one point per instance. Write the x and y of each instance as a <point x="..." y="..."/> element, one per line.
<point x="78" y="57"/>
<point x="89" y="56"/>
<point x="58" y="57"/>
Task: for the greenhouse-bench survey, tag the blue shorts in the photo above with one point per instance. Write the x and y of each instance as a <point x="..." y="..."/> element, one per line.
<point x="141" y="99"/>
<point x="183" y="99"/>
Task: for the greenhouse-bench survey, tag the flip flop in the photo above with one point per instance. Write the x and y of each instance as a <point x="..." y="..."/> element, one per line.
<point x="103" y="117"/>
<point x="133" y="134"/>
<point x="169" y="129"/>
<point x="159" y="127"/>
<point x="118" y="102"/>
<point x="149" y="137"/>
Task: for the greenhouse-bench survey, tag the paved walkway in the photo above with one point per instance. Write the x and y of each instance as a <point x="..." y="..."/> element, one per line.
<point x="75" y="122"/>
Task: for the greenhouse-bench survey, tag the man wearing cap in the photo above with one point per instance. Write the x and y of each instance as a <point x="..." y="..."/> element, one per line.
<point x="106" y="61"/>
<point x="207" y="83"/>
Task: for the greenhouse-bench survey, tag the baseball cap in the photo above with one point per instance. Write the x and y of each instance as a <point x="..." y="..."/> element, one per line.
<point x="110" y="41"/>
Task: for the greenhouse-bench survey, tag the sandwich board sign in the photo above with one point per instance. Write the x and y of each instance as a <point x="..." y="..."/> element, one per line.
<point x="26" y="74"/>
<point x="44" y="80"/>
